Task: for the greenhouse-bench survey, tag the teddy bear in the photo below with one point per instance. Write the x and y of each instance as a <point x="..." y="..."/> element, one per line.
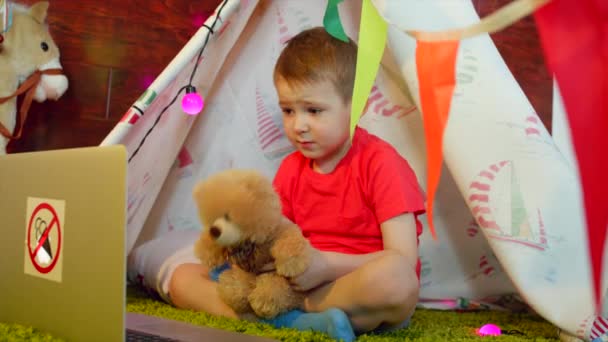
<point x="244" y="227"/>
<point x="29" y="64"/>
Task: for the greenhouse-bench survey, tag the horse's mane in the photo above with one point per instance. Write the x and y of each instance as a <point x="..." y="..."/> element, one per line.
<point x="23" y="9"/>
<point x="19" y="7"/>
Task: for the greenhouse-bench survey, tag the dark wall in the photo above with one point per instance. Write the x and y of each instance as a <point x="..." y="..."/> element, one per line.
<point x="112" y="49"/>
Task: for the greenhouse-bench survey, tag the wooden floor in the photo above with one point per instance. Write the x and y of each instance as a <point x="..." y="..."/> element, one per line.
<point x="112" y="49"/>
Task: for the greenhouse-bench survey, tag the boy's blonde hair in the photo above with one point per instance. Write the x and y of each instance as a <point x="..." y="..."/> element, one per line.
<point x="313" y="55"/>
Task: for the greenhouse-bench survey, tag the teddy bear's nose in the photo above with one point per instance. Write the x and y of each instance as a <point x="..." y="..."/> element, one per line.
<point x="215" y="232"/>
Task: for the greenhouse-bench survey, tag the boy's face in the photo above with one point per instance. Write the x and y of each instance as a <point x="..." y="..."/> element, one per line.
<point x="316" y="121"/>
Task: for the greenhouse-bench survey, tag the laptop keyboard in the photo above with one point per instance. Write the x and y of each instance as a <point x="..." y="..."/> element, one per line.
<point x="136" y="336"/>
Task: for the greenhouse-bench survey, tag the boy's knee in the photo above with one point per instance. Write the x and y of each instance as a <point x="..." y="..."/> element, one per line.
<point x="393" y="284"/>
<point x="176" y="284"/>
<point x="181" y="282"/>
<point x="404" y="298"/>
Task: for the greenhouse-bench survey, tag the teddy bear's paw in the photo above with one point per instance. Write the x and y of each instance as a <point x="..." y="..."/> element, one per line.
<point x="291" y="252"/>
<point x="264" y="308"/>
<point x="291" y="266"/>
<point x="273" y="295"/>
<point x="234" y="287"/>
<point x="238" y="304"/>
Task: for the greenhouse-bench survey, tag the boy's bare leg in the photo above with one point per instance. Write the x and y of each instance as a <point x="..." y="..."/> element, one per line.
<point x="191" y="288"/>
<point x="383" y="291"/>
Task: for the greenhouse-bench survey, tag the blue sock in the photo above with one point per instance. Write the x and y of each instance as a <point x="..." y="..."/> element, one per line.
<point x="333" y="322"/>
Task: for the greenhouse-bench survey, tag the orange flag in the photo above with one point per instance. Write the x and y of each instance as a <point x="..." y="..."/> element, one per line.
<point x="574" y="36"/>
<point x="436" y="64"/>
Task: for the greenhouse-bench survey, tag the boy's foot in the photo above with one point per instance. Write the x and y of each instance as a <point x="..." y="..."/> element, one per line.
<point x="333" y="322"/>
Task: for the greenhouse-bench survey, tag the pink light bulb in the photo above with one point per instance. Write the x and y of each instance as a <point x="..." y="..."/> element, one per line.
<point x="489" y="330"/>
<point x="192" y="103"/>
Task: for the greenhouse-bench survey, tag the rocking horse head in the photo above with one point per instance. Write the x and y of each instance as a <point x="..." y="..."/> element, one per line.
<point x="29" y="64"/>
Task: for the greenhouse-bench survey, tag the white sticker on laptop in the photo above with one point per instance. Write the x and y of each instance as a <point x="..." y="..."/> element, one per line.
<point x="44" y="235"/>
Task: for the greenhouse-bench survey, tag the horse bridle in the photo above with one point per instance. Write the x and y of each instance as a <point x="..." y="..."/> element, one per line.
<point x="28" y="87"/>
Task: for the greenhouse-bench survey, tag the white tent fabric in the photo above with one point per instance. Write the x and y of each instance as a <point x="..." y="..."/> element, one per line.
<point x="508" y="212"/>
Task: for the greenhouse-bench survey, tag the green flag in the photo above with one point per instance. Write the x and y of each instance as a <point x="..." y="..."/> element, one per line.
<point x="332" y="22"/>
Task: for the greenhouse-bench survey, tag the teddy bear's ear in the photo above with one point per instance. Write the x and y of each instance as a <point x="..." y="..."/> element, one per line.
<point x="38" y="11"/>
<point x="196" y="191"/>
<point x="258" y="184"/>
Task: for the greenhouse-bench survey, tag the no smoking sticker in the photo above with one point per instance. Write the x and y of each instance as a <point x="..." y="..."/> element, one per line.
<point x="44" y="235"/>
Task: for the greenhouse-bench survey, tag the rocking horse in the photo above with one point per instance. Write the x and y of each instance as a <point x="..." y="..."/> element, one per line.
<point x="29" y="64"/>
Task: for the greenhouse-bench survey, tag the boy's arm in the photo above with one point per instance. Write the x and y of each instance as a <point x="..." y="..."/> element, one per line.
<point x="399" y="237"/>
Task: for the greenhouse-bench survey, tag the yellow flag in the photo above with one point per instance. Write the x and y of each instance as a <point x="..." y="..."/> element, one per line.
<point x="372" y="39"/>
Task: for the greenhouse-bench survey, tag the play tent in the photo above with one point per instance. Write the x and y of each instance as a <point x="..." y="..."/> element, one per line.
<point x="508" y="210"/>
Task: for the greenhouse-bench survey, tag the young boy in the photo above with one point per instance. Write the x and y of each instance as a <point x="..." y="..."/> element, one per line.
<point x="356" y="201"/>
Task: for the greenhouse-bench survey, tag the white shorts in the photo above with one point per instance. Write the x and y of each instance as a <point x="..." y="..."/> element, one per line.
<point x="151" y="264"/>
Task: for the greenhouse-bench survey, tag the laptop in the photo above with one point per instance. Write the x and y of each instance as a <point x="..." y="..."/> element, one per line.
<point x="63" y="270"/>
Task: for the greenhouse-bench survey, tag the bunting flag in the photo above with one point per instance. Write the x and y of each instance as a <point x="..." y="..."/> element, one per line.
<point x="436" y="69"/>
<point x="373" y="31"/>
<point x="331" y="21"/>
<point x="436" y="62"/>
<point x="574" y="37"/>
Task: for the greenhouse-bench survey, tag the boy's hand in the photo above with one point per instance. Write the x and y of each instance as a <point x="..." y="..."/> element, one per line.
<point x="317" y="273"/>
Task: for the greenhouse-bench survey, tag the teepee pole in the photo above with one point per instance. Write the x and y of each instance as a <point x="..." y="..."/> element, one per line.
<point x="179" y="62"/>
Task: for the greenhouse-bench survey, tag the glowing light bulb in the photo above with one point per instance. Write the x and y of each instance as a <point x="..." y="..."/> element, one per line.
<point x="192" y="103"/>
<point x="489" y="330"/>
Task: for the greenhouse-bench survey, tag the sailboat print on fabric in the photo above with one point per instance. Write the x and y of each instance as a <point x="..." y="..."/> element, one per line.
<point x="594" y="328"/>
<point x="271" y="137"/>
<point x="487" y="267"/>
<point x="425" y="272"/>
<point x="183" y="163"/>
<point x="302" y="20"/>
<point x="498" y="206"/>
<point x="378" y="104"/>
<point x="284" y="34"/>
<point x="136" y="194"/>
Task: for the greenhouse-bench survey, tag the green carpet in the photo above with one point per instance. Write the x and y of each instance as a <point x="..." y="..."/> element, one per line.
<point x="427" y="325"/>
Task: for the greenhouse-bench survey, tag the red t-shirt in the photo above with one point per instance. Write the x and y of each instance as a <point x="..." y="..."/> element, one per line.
<point x="342" y="211"/>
